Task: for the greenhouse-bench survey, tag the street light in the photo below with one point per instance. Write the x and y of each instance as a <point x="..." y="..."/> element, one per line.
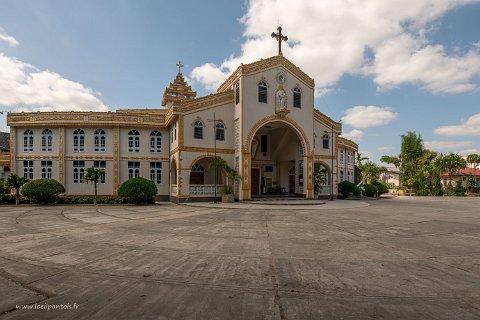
<point x="331" y="171"/>
<point x="214" y="120"/>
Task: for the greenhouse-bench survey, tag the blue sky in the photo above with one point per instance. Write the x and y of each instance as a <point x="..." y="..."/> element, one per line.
<point x="383" y="67"/>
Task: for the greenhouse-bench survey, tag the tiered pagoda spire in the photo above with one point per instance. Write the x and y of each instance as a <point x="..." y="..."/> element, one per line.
<point x="178" y="91"/>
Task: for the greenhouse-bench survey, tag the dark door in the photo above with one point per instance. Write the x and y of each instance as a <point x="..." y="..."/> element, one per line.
<point x="291" y="183"/>
<point x="255" y="181"/>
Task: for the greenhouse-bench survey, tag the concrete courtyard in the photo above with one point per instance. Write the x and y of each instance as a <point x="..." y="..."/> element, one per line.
<point x="402" y="258"/>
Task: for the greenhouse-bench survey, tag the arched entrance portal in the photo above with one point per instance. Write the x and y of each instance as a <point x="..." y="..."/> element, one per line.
<point x="277" y="166"/>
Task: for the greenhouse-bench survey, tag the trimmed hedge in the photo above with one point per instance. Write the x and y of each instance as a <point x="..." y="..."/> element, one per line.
<point x="138" y="190"/>
<point x="90" y="200"/>
<point x="42" y="191"/>
<point x="370" y="190"/>
<point x="347" y="187"/>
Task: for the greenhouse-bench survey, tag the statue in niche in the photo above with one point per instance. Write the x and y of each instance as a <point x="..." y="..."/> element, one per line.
<point x="281" y="100"/>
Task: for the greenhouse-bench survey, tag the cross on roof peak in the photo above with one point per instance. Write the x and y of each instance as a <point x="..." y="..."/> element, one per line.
<point x="279" y="37"/>
<point x="180" y="66"/>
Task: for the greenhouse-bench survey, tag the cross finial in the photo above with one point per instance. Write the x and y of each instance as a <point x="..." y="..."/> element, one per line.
<point x="279" y="37"/>
<point x="179" y="65"/>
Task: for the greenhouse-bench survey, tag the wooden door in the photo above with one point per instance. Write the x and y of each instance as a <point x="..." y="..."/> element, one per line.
<point x="255" y="181"/>
<point x="291" y="183"/>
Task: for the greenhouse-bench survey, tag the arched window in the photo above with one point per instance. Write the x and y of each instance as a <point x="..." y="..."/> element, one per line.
<point x="237" y="92"/>
<point x="28" y="140"/>
<point x="79" y="140"/>
<point x="156" y="141"/>
<point x="133" y="141"/>
<point x="198" y="130"/>
<point x="326" y="141"/>
<point x="47" y="139"/>
<point x="220" y="131"/>
<point x="262" y="92"/>
<point x="297" y="98"/>
<point x="197" y="174"/>
<point x="99" y="140"/>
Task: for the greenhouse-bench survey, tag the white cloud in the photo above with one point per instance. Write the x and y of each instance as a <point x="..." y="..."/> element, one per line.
<point x="26" y="88"/>
<point x="368" y="116"/>
<point x="437" y="145"/>
<point x="354" y="134"/>
<point x="466" y="152"/>
<point x="328" y="39"/>
<point x="8" y="39"/>
<point x="471" y="127"/>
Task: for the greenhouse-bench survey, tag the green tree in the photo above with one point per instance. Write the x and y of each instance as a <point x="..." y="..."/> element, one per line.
<point x="93" y="175"/>
<point x="473" y="159"/>
<point x="371" y="171"/>
<point x="230" y="174"/>
<point x="3" y="188"/>
<point x="451" y="163"/>
<point x="391" y="160"/>
<point x="16" y="182"/>
<point x="471" y="183"/>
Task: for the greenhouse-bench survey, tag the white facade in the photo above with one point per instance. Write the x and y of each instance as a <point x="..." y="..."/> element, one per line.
<point x="266" y="127"/>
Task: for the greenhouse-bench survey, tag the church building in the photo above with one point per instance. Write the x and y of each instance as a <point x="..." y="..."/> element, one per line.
<point x="261" y="121"/>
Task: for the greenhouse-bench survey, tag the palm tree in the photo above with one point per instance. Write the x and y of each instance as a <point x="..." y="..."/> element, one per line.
<point x="473" y="159"/>
<point x="93" y="175"/>
<point x="451" y="163"/>
<point x="16" y="182"/>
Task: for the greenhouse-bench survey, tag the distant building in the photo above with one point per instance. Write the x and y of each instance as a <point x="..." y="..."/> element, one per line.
<point x="461" y="176"/>
<point x="391" y="177"/>
<point x="4" y="154"/>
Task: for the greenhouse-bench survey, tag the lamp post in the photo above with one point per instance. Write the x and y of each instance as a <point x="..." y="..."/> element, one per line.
<point x="214" y="120"/>
<point x="331" y="172"/>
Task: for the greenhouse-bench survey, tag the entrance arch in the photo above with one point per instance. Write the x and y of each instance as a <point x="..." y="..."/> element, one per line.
<point x="279" y="162"/>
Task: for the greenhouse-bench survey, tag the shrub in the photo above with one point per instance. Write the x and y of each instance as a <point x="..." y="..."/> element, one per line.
<point x="43" y="190"/>
<point x="347" y="187"/>
<point x="382" y="188"/>
<point x="370" y="190"/>
<point x="422" y="192"/>
<point x="90" y="200"/>
<point x="138" y="190"/>
<point x="459" y="190"/>
<point x="437" y="191"/>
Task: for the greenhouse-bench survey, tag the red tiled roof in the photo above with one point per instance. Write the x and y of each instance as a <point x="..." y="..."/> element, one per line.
<point x="464" y="172"/>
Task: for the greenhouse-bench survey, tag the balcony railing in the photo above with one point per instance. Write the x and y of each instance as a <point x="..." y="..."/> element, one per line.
<point x="201" y="190"/>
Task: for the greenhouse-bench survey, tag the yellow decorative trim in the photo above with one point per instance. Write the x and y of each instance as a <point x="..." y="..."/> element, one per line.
<point x="263" y="65"/>
<point x="116" y="154"/>
<point x="180" y="133"/>
<point x="203" y="156"/>
<point x="207" y="101"/>
<point x="348" y="144"/>
<point x="323" y="119"/>
<point x="88" y="157"/>
<point x="12" y="149"/>
<point x="38" y="157"/>
<point x="145" y="158"/>
<point x="61" y="155"/>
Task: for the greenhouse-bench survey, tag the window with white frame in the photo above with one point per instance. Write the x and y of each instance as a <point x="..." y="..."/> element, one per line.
<point x="133" y="141"/>
<point x="262" y="92"/>
<point x="28" y="140"/>
<point x="133" y="169"/>
<point x="99" y="140"/>
<point x="78" y="171"/>
<point x="78" y="140"/>
<point x="297" y="98"/>
<point x="349" y="157"/>
<point x="342" y="156"/>
<point x="101" y="164"/>
<point x="198" y="130"/>
<point x="156" y="172"/>
<point x="28" y="169"/>
<point x="220" y="131"/>
<point x="47" y="140"/>
<point x="326" y="141"/>
<point x="156" y="141"/>
<point x="46" y="169"/>
<point x="342" y="177"/>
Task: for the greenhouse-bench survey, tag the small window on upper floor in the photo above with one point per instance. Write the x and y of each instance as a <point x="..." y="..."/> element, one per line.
<point x="99" y="140"/>
<point x="326" y="141"/>
<point x="28" y="140"/>
<point x="220" y="131"/>
<point x="133" y="141"/>
<point x="297" y="98"/>
<point x="198" y="130"/>
<point x="237" y="92"/>
<point x="155" y="141"/>
<point x="262" y="91"/>
<point x="47" y="139"/>
<point x="79" y="140"/>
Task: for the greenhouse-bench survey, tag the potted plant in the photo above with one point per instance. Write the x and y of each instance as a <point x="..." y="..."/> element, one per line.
<point x="231" y="176"/>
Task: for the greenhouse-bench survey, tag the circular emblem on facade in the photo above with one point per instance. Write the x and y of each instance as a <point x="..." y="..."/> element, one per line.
<point x="281" y="77"/>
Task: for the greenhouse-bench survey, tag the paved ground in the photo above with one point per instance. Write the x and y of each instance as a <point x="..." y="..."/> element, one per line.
<point x="404" y="258"/>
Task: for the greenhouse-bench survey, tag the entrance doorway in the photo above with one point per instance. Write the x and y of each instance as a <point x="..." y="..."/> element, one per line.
<point x="255" y="181"/>
<point x="291" y="180"/>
